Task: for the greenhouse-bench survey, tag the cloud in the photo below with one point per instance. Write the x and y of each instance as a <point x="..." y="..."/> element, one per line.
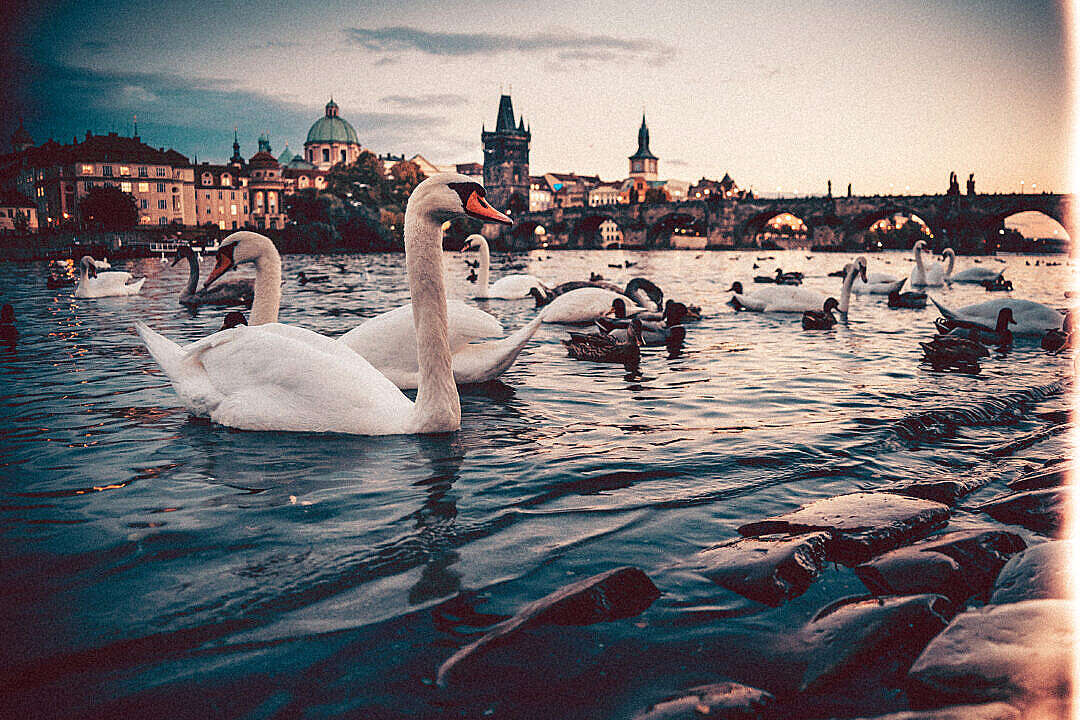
<point x="95" y="45"/>
<point x="424" y="101"/>
<point x="675" y="162"/>
<point x="567" y="44"/>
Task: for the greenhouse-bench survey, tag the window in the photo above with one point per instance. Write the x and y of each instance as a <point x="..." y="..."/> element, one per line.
<point x="87" y="169"/>
<point x="233" y="209"/>
<point x="144" y="203"/>
<point x="220" y="195"/>
<point x="207" y="179"/>
<point x="125" y="170"/>
<point x="161" y="187"/>
<point x="207" y="196"/>
<point x="161" y="204"/>
<point x="161" y="172"/>
<point x="226" y="180"/>
<point x="142" y="171"/>
<point x="162" y="221"/>
<point x="326" y="155"/>
<point x="125" y="186"/>
<point x="232" y="195"/>
<point x="342" y="156"/>
<point x="106" y="170"/>
<point x="176" y="202"/>
<point x="144" y="187"/>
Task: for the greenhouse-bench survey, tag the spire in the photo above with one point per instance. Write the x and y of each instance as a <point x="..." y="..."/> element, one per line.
<point x="237" y="158"/>
<point x="331" y="108"/>
<point x="135" y="120"/>
<point x="505" y="120"/>
<point x="643" y="151"/>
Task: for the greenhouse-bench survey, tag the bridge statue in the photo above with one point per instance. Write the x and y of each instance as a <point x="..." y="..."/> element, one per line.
<point x="954" y="184"/>
<point x="829" y="194"/>
<point x="971" y="184"/>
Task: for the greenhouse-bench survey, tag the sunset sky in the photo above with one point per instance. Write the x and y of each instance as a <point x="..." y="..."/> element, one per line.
<point x="884" y="95"/>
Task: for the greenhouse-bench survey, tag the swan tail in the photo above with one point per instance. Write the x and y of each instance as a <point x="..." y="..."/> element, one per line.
<point x="165" y="352"/>
<point x="945" y="312"/>
<point x="135" y="286"/>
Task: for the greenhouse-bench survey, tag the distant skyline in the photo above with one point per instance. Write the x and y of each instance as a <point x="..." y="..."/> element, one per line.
<point x="890" y="97"/>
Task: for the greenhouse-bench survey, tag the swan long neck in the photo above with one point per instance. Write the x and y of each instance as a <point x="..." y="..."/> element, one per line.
<point x="485" y="266"/>
<point x="437" y="408"/>
<point x="267" y="300"/>
<point x="193" y="275"/>
<point x="918" y="259"/>
<point x="949" y="267"/>
<point x="845" y="295"/>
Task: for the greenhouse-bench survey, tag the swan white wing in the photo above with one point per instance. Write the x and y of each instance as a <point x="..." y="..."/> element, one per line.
<point x="389" y="340"/>
<point x="785" y="298"/>
<point x="1031" y="318"/>
<point x="277" y="377"/>
<point x="875" y="288"/>
<point x="107" y="284"/>
<point x="584" y="305"/>
<point x="933" y="276"/>
<point x="976" y="275"/>
<point x="511" y="287"/>
<point x="877" y="278"/>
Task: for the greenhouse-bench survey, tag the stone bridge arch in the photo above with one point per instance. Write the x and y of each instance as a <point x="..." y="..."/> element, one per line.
<point x="659" y="231"/>
<point x="586" y="230"/>
<point x="755" y="224"/>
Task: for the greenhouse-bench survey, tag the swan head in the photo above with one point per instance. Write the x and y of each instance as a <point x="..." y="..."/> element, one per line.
<point x="448" y="196"/>
<point x="240" y="247"/>
<point x="473" y="241"/>
<point x="919" y="246"/>
<point x="831" y="304"/>
<point x="855" y="269"/>
<point x="90" y="265"/>
<point x="947" y="252"/>
<point x="736" y="287"/>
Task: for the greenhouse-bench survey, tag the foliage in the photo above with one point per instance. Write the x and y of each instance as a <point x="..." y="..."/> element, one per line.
<point x="656" y="195"/>
<point x="107" y="208"/>
<point x="325" y="222"/>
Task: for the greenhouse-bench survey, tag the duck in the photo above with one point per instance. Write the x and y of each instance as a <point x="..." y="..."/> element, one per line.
<point x="788" y="278"/>
<point x="932" y="275"/>
<point x="821" y="319"/>
<point x="783" y="298"/>
<point x="975" y="275"/>
<point x="232" y="319"/>
<point x="669" y="329"/>
<point x="238" y="291"/>
<point x="605" y="348"/>
<point x="1031" y="318"/>
<point x="1054" y="341"/>
<point x="273" y="377"/>
<point x="471" y="277"/>
<point x="950" y="351"/>
<point x="876" y="283"/>
<point x="999" y="284"/>
<point x="1000" y="336"/>
<point x="9" y="334"/>
<point x="94" y="284"/>
<point x="508" y="287"/>
<point x="584" y="305"/>
<point x="304" y="278"/>
<point x="914" y="300"/>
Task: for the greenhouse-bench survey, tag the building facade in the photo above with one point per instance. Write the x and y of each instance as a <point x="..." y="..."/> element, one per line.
<point x="506" y="160"/>
<point x="331" y="140"/>
<point x="17" y="213"/>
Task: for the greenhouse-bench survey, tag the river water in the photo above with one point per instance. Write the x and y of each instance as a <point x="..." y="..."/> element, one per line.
<point x="156" y="565"/>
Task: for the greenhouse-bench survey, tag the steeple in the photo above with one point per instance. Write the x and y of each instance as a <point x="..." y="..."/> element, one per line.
<point x="264" y="143"/>
<point x="505" y="120"/>
<point x="21" y="139"/>
<point x="331" y="108"/>
<point x="643" y="164"/>
<point x="643" y="151"/>
<point x="237" y="158"/>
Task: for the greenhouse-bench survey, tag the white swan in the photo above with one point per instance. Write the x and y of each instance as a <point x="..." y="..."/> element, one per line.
<point x="876" y="283"/>
<point x="388" y="341"/>
<point x="508" y="287"/>
<point x="789" y="298"/>
<point x="94" y="284"/>
<point x="585" y="305"/>
<point x="279" y="377"/>
<point x="1031" y="318"/>
<point x="973" y="275"/>
<point x="932" y="275"/>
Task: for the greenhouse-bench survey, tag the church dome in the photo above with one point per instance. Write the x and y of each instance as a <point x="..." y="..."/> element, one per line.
<point x="330" y="128"/>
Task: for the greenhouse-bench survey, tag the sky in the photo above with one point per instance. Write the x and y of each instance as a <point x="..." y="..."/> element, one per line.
<point x="889" y="95"/>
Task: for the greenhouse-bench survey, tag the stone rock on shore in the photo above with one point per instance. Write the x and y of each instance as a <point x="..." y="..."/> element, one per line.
<point x="1039" y="510"/>
<point x="1046" y="477"/>
<point x="860" y="525"/>
<point x="957" y="565"/>
<point x="989" y="711"/>
<point x="1020" y="653"/>
<point x="856" y="632"/>
<point x="720" y="701"/>
<point x="620" y="593"/>
<point x="1041" y="571"/>
<point x="769" y="570"/>
<point x="944" y="490"/>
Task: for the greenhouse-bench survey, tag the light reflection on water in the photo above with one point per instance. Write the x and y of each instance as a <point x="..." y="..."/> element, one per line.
<point x="147" y="550"/>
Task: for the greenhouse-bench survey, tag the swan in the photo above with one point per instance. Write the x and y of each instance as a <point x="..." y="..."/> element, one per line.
<point x="974" y="275"/>
<point x="269" y="376"/>
<point x="788" y="298"/>
<point x="1031" y="318"/>
<point x="508" y="287"/>
<point x="93" y="284"/>
<point x="238" y="291"/>
<point x="933" y="274"/>
<point x="645" y="293"/>
<point x="876" y="283"/>
<point x="386" y="341"/>
<point x="585" y="305"/>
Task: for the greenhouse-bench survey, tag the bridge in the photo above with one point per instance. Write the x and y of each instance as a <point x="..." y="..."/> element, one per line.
<point x="966" y="222"/>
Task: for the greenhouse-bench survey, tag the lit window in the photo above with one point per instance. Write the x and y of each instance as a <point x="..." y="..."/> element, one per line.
<point x="233" y="208"/>
<point x="125" y="186"/>
<point x="226" y="180"/>
<point x="87" y="169"/>
<point x="125" y="170"/>
<point x="144" y="187"/>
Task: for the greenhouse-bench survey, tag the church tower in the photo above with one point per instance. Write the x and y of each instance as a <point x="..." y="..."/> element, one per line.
<point x="506" y="161"/>
<point x="643" y="163"/>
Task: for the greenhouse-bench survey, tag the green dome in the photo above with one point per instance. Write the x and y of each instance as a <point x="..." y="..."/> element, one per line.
<point x="331" y="128"/>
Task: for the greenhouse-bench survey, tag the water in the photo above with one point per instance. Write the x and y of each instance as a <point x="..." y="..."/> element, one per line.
<point x="155" y="564"/>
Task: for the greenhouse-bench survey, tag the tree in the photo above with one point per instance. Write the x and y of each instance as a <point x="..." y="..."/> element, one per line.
<point x="404" y="177"/>
<point x="362" y="181"/>
<point x="656" y="195"/>
<point x="107" y="208"/>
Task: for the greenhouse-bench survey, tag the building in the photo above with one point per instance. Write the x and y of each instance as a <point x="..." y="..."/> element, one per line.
<point x="221" y="196"/>
<point x="610" y="234"/>
<point x="57" y="177"/>
<point x="331" y="140"/>
<point x="570" y="189"/>
<point x="506" y="160"/>
<point x="539" y="194"/>
<point x="17" y="212"/>
<point x="677" y="190"/>
<point x="704" y="189"/>
<point x="643" y="164"/>
<point x="266" y="188"/>
<point x="605" y="193"/>
<point x="472" y="170"/>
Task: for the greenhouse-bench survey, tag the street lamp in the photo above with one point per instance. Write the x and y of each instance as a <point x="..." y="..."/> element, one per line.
<point x="1021" y="187"/>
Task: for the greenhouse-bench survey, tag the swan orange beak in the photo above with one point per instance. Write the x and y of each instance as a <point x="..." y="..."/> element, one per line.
<point x="224" y="264"/>
<point x="477" y="207"/>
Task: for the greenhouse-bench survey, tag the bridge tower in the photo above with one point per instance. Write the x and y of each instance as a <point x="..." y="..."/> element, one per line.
<point x="643" y="163"/>
<point x="506" y="161"/>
